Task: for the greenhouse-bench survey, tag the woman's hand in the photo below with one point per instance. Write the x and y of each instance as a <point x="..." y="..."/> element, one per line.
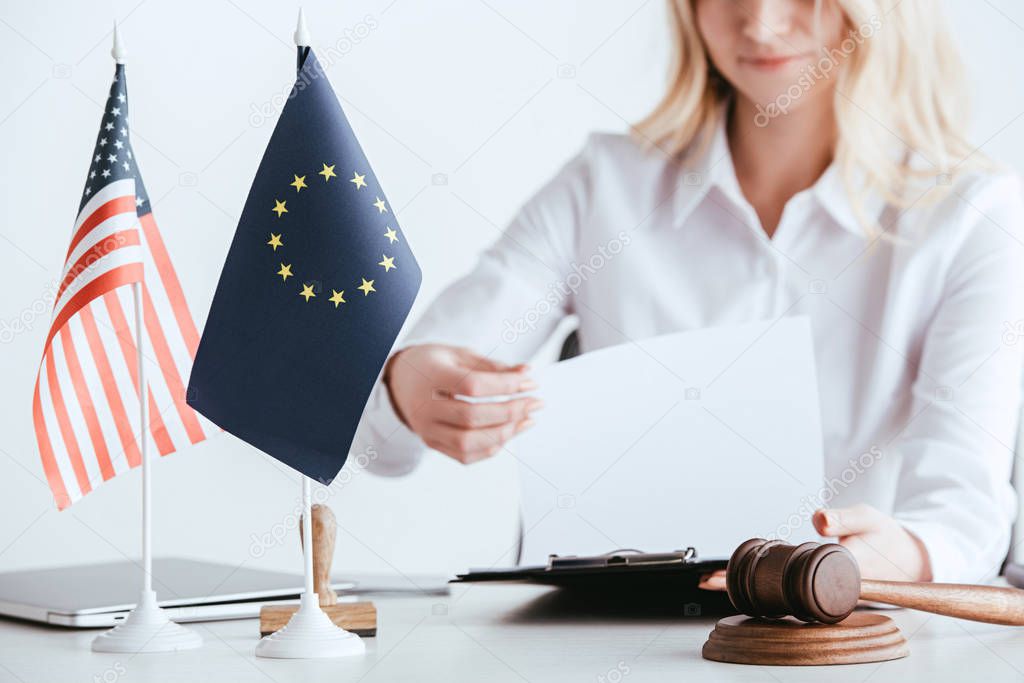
<point x="422" y="381"/>
<point x="882" y="547"/>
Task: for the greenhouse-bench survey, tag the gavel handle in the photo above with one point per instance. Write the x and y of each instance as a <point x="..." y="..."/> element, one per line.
<point x="990" y="604"/>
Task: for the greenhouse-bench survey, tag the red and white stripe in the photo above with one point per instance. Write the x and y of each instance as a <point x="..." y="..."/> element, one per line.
<point x="85" y="406"/>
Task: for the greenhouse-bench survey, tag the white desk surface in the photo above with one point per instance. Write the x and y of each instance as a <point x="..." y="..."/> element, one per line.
<point x="498" y="633"/>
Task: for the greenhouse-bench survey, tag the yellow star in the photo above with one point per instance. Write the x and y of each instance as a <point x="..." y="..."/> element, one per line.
<point x="307" y="291"/>
<point x="359" y="180"/>
<point x="300" y="182"/>
<point x="337" y="297"/>
<point x="388" y="263"/>
<point x="328" y="173"/>
<point x="285" y="272"/>
<point x="279" y="207"/>
<point x="275" y="241"/>
<point x="366" y="287"/>
<point x="391" y="234"/>
<point x="380" y="205"/>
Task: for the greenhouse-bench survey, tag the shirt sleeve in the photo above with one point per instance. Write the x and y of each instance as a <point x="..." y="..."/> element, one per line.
<point x="957" y="450"/>
<point x="505" y="308"/>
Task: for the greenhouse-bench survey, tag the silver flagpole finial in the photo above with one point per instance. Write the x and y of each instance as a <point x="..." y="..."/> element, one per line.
<point x="119" y="52"/>
<point x="302" y="37"/>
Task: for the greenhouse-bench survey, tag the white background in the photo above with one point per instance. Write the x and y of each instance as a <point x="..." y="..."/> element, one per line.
<point x="470" y="89"/>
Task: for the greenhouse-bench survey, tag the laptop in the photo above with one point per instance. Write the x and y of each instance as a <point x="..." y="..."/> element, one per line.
<point x="101" y="595"/>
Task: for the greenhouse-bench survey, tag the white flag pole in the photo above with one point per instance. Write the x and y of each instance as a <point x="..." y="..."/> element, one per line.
<point x="310" y="632"/>
<point x="146" y="628"/>
<point x="307" y="534"/>
<point x="147" y="482"/>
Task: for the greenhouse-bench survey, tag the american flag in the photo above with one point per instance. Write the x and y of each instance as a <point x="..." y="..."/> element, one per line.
<point x="85" y="407"/>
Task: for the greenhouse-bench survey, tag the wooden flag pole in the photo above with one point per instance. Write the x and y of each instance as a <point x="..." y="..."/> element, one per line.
<point x="309" y="633"/>
<point x="146" y="628"/>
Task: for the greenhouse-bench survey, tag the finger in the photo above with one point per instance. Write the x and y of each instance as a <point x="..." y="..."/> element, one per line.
<point x="480" y="415"/>
<point x="465" y="442"/>
<point x="867" y="558"/>
<point x="487" y="383"/>
<point x="714" y="581"/>
<point x="876" y="561"/>
<point x="470" y="457"/>
<point x="818" y="520"/>
<point x="466" y="458"/>
<point x="856" y="519"/>
<point x="474" y="361"/>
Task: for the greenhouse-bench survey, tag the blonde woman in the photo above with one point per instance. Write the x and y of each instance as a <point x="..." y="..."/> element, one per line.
<point x="808" y="159"/>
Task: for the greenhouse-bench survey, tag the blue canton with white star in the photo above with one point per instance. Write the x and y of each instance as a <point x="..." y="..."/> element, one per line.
<point x="112" y="157"/>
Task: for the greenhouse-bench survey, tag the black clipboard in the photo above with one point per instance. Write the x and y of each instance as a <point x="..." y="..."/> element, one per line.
<point x="624" y="573"/>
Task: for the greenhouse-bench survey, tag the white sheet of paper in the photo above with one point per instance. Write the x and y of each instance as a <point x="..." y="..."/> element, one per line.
<point x="703" y="438"/>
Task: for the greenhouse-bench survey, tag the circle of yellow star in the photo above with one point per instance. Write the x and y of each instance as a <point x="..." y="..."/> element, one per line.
<point x="359" y="180"/>
<point x="366" y="287"/>
<point x="328" y="173"/>
<point x="380" y="205"/>
<point x="279" y="207"/>
<point x="285" y="272"/>
<point x="307" y="291"/>
<point x="388" y="262"/>
<point x="337" y="298"/>
<point x="300" y="182"/>
<point x="275" y="241"/>
<point x="391" y="234"/>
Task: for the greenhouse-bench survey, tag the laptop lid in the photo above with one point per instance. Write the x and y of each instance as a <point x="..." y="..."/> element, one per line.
<point x="40" y="594"/>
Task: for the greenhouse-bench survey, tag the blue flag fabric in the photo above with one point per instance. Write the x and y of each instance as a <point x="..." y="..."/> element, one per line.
<point x="315" y="288"/>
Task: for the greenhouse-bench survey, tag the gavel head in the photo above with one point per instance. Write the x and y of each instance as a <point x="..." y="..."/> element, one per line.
<point x="811" y="581"/>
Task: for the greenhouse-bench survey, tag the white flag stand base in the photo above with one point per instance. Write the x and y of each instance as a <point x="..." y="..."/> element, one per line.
<point x="309" y="634"/>
<point x="147" y="629"/>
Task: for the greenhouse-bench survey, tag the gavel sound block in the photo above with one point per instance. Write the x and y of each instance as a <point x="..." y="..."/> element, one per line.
<point x="799" y="602"/>
<point x="358" y="617"/>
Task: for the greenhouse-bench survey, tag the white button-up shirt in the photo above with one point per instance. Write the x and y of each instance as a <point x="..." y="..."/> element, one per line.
<point x="917" y="335"/>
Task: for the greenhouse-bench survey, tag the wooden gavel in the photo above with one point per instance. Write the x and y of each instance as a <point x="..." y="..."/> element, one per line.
<point x="821" y="582"/>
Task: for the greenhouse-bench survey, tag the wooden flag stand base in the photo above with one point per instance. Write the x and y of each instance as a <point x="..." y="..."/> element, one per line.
<point x="309" y="633"/>
<point x="861" y="637"/>
<point x="359" y="618"/>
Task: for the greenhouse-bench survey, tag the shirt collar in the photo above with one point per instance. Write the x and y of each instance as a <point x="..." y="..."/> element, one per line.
<point x="712" y="168"/>
<point x="832" y="195"/>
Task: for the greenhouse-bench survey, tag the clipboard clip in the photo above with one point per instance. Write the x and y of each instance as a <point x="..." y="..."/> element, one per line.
<point x="623" y="557"/>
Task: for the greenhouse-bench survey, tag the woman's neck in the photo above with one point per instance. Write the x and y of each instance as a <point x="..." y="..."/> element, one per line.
<point x="776" y="161"/>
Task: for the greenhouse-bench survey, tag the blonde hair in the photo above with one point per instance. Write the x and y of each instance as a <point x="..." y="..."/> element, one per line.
<point x="901" y="86"/>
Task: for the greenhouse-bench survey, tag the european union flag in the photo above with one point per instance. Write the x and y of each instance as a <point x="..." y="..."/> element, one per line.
<point x="314" y="291"/>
